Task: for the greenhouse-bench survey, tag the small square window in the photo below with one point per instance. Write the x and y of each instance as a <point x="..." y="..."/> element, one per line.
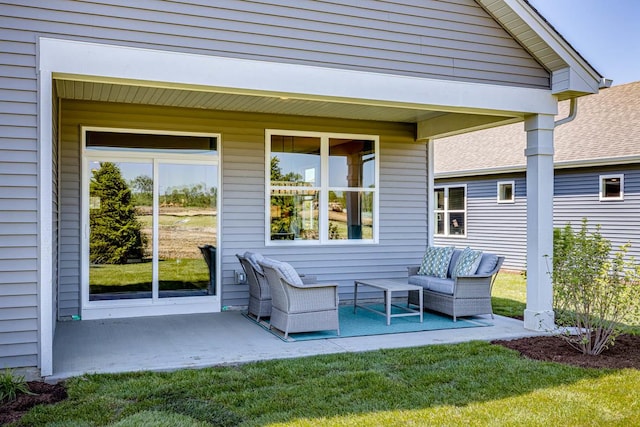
<point x="506" y="192"/>
<point x="611" y="187"/>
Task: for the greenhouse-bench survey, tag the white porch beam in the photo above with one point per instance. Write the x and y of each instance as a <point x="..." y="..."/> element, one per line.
<point x="84" y="61"/>
<point x="539" y="314"/>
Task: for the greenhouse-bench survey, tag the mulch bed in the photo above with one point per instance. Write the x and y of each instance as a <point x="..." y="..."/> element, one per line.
<point x="44" y="394"/>
<point x="624" y="354"/>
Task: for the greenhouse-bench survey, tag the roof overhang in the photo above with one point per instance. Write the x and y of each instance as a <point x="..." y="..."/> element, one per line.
<point x="440" y="108"/>
<point x="571" y="74"/>
<point x="94" y="71"/>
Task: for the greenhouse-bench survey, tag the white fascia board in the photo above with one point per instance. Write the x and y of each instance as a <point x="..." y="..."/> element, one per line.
<point x="583" y="72"/>
<point x="99" y="62"/>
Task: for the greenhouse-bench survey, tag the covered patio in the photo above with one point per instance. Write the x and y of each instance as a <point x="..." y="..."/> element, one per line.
<point x="240" y="102"/>
<point x="165" y="343"/>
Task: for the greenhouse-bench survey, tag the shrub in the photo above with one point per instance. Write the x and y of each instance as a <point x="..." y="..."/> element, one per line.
<point x="594" y="291"/>
<point x="11" y="385"/>
<point x="116" y="233"/>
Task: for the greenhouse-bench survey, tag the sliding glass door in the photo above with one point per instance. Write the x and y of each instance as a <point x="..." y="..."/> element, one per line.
<point x="151" y="221"/>
<point x="186" y="229"/>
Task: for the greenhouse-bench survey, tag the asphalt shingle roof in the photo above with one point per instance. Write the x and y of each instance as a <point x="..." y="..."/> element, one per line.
<point x="607" y="126"/>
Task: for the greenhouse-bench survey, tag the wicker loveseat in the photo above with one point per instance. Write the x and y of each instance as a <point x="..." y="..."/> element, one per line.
<point x="458" y="295"/>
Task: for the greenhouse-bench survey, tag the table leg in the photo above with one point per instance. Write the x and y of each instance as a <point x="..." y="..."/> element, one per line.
<point x="421" y="304"/>
<point x="355" y="296"/>
<point x="387" y="303"/>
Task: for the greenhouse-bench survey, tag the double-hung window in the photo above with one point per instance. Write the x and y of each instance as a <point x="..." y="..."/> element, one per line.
<point x="322" y="188"/>
<point x="451" y="210"/>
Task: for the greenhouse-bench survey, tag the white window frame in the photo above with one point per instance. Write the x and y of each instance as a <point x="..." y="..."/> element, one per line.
<point x="446" y="211"/>
<point x="499" y="186"/>
<point x="602" y="178"/>
<point x="323" y="188"/>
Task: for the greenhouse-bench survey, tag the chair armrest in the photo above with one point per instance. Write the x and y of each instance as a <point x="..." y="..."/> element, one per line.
<point x="314" y="297"/>
<point x="309" y="285"/>
<point x="412" y="270"/>
<point x="477" y="276"/>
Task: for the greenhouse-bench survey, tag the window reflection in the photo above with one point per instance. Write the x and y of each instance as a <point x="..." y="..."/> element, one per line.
<point x="295" y="160"/>
<point x="350" y="215"/>
<point x="294" y="215"/>
<point x="351" y="163"/>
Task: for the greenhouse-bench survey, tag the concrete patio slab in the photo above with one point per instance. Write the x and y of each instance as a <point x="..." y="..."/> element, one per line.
<point x="166" y="343"/>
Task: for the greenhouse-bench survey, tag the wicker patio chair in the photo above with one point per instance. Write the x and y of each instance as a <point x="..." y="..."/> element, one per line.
<point x="296" y="306"/>
<point x="259" y="291"/>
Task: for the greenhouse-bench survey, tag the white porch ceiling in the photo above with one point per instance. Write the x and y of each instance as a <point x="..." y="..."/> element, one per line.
<point x="185" y="98"/>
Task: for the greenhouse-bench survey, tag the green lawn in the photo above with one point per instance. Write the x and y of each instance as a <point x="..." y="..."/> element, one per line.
<point x="473" y="383"/>
<point x="509" y="295"/>
<point x="174" y="274"/>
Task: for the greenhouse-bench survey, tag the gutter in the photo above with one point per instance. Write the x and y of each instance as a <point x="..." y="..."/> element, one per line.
<point x="573" y="106"/>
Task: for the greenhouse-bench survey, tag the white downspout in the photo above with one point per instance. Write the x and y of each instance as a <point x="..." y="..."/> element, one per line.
<point x="573" y="111"/>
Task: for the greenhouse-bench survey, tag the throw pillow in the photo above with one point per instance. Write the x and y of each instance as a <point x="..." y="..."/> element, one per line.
<point x="487" y="264"/>
<point x="290" y="274"/>
<point x="285" y="269"/>
<point x="467" y="263"/>
<point x="254" y="258"/>
<point x="436" y="261"/>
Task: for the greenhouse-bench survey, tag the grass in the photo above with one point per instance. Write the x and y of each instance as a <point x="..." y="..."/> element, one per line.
<point x="474" y="383"/>
<point x="180" y="220"/>
<point x="174" y="274"/>
<point x="509" y="294"/>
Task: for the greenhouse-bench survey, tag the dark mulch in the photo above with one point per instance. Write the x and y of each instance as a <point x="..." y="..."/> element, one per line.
<point x="624" y="354"/>
<point x="44" y="394"/>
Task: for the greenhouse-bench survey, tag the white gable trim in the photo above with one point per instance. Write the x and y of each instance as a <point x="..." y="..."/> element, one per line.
<point x="547" y="45"/>
<point x="146" y="67"/>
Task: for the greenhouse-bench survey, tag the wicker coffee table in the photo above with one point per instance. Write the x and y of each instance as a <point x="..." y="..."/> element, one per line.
<point x="388" y="286"/>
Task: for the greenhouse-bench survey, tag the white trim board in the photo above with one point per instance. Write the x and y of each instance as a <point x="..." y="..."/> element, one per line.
<point x="84" y="61"/>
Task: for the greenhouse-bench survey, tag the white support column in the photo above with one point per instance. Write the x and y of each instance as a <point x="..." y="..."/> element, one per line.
<point x="539" y="312"/>
<point x="431" y="223"/>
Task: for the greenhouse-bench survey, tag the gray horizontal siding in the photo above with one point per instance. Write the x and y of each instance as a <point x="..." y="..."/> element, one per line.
<point x="491" y="226"/>
<point x="576" y="197"/>
<point x="452" y="40"/>
<point x="502" y="227"/>
<point x="403" y="219"/>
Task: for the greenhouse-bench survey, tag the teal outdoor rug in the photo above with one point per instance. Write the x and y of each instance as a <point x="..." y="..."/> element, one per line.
<point x="364" y="323"/>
